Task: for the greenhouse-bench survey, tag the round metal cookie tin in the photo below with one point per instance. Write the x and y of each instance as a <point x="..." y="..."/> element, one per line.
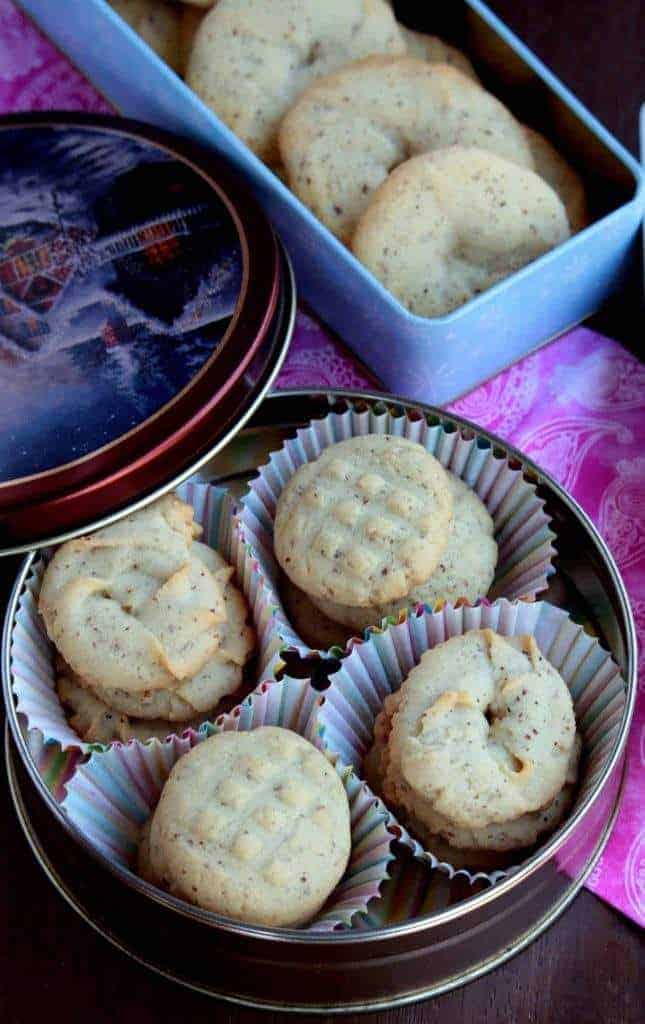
<point x="145" y="306"/>
<point x="398" y="960"/>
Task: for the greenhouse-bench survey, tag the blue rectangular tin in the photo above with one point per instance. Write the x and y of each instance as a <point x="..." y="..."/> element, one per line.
<point x="433" y="360"/>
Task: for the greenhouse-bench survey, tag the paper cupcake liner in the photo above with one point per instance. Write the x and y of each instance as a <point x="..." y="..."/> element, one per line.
<point x="522" y="526"/>
<point x="411" y="891"/>
<point x="343" y="721"/>
<point x="33" y="677"/>
<point x="111" y="795"/>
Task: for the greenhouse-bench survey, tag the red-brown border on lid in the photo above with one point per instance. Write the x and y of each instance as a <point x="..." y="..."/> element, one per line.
<point x="197" y="403"/>
<point x="163" y="468"/>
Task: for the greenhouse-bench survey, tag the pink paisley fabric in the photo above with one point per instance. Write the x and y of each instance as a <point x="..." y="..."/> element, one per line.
<point x="577" y="407"/>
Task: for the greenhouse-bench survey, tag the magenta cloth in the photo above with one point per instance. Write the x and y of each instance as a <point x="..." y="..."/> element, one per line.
<point x="577" y="407"/>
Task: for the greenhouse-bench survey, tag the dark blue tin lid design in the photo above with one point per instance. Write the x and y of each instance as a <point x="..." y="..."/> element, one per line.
<point x="120" y="271"/>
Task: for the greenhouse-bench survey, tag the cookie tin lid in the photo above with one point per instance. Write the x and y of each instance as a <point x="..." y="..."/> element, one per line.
<point x="145" y="304"/>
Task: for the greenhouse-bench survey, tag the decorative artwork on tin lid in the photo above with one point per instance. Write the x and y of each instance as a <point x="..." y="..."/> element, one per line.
<point x="120" y="271"/>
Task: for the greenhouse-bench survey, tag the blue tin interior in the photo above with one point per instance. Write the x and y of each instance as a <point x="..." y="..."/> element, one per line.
<point x="431" y="359"/>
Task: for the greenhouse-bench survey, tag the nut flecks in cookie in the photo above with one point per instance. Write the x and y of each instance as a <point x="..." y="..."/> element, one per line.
<point x="349" y="131"/>
<point x="331" y="554"/>
<point x="250" y="59"/>
<point x="148" y="618"/>
<point x="465" y="570"/>
<point x="447" y="225"/>
<point x="481" y="734"/>
<point x="282" y="836"/>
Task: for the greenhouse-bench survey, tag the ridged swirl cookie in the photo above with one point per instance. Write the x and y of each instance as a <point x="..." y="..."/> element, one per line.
<point x="252" y="58"/>
<point x="146" y="617"/>
<point x="365" y="521"/>
<point x="95" y="722"/>
<point x="479" y="744"/>
<point x="464" y="844"/>
<point x="348" y="131"/>
<point x="446" y="226"/>
<point x="253" y="825"/>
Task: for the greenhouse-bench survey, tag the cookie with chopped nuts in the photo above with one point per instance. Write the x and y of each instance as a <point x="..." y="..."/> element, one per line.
<point x="447" y="225"/>
<point x="365" y="522"/>
<point x="252" y="825"/>
<point x="466" y="568"/>
<point x="349" y="131"/>
<point x="479" y="744"/>
<point x="147" y="618"/>
<point x="251" y="59"/>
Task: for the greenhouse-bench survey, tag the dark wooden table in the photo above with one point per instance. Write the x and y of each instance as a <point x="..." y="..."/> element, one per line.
<point x="586" y="968"/>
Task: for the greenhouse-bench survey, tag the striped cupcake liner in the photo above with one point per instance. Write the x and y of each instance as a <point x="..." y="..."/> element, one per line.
<point x="522" y="525"/>
<point x="343" y="719"/>
<point x="115" y="790"/>
<point x="33" y="676"/>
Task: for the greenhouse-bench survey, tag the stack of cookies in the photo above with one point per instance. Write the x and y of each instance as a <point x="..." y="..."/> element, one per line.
<point x="253" y="825"/>
<point x="478" y="747"/>
<point x="150" y="630"/>
<point x="386" y="134"/>
<point x="374" y="525"/>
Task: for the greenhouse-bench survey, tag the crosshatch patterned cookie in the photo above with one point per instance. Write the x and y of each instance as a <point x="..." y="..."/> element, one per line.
<point x="147" y="618"/>
<point x="481" y="734"/>
<point x="445" y="226"/>
<point x="466" y="568"/>
<point x="252" y="58"/>
<point x="348" y="131"/>
<point x="253" y="825"/>
<point x="364" y="522"/>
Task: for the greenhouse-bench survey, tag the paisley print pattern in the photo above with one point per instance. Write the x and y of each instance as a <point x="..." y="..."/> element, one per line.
<point x="34" y="75"/>
<point x="621" y="517"/>
<point x="562" y="445"/>
<point x="577" y="406"/>
<point x="503" y="402"/>
<point x="316" y="358"/>
<point x="613" y="382"/>
<point x="584" y="423"/>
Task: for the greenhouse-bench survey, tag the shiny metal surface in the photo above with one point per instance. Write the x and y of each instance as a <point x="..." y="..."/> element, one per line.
<point x="421" y="956"/>
<point x="112" y="911"/>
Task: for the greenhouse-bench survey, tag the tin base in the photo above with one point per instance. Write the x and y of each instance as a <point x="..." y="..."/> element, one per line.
<point x="104" y="904"/>
<point x="399" y="961"/>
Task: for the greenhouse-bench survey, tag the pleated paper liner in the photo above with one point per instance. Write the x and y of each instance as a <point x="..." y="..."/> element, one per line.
<point x="33" y="676"/>
<point x="115" y="790"/>
<point x="345" y="714"/>
<point x="522" y="526"/>
<point x="412" y="891"/>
